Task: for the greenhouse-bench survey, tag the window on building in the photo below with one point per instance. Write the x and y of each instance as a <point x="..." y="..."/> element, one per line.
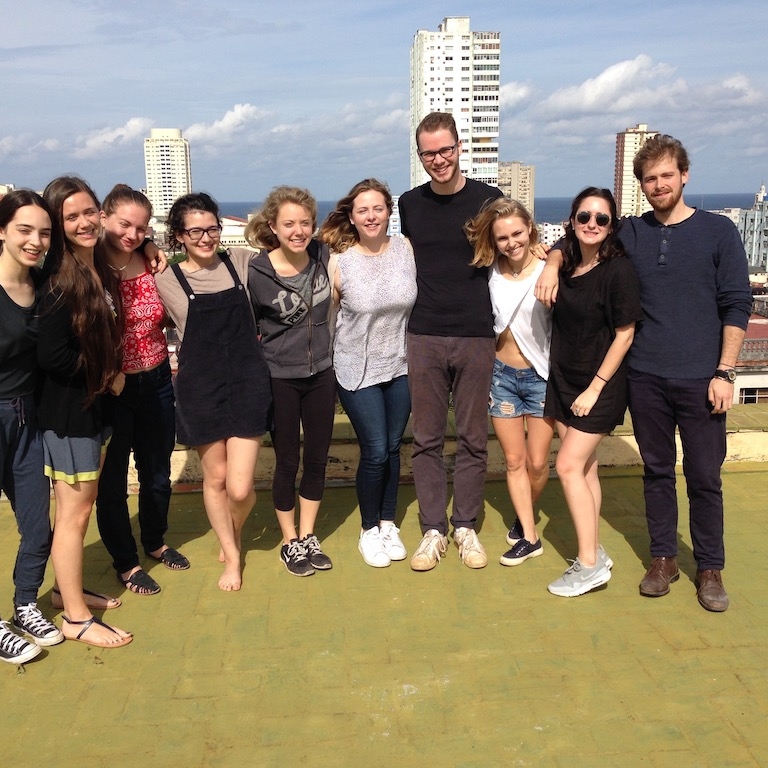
<point x="750" y="395"/>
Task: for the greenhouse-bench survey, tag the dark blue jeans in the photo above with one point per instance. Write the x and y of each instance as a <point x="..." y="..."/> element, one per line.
<point x="29" y="491"/>
<point x="143" y="420"/>
<point x="658" y="405"/>
<point x="378" y="415"/>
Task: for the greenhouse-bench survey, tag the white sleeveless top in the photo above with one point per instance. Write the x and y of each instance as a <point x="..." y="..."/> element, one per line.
<point x="515" y="307"/>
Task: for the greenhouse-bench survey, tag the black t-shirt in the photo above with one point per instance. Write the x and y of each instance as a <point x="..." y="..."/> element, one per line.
<point x="18" y="346"/>
<point x="453" y="298"/>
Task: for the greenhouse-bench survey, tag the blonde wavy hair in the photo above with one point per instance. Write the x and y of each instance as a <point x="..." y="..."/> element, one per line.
<point x="479" y="230"/>
<point x="258" y="232"/>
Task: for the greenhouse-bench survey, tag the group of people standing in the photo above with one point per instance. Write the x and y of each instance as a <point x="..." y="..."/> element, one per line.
<point x="463" y="312"/>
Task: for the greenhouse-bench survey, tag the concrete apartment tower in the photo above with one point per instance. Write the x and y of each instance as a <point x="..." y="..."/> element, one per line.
<point x="168" y="169"/>
<point x="456" y="70"/>
<point x="518" y="182"/>
<point x="630" y="199"/>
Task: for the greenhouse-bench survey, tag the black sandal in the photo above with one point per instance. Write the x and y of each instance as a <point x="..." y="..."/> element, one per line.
<point x="172" y="559"/>
<point x="140" y="583"/>
<point x="86" y="625"/>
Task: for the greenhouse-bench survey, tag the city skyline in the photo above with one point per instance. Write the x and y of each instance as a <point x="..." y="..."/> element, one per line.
<point x="317" y="93"/>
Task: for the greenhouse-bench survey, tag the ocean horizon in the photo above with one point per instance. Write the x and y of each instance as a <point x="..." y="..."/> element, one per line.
<point x="546" y="209"/>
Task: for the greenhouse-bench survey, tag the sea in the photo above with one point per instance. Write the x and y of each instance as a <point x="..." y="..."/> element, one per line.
<point x="546" y="209"/>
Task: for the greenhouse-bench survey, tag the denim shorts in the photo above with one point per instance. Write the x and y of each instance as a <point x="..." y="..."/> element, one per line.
<point x="516" y="392"/>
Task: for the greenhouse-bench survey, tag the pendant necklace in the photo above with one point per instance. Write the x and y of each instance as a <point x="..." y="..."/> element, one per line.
<point x="522" y="269"/>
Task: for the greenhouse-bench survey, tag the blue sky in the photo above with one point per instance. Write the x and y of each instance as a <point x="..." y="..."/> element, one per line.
<point x="315" y="93"/>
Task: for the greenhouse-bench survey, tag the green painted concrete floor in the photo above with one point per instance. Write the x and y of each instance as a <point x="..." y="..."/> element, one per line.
<point x="386" y="667"/>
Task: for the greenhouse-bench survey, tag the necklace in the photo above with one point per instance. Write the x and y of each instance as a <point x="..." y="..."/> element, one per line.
<point x="124" y="267"/>
<point x="522" y="269"/>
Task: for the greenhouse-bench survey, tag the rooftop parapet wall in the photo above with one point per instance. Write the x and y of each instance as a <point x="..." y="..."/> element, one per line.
<point x="747" y="442"/>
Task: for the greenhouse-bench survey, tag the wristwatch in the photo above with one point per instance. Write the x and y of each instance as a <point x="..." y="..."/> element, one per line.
<point x="725" y="374"/>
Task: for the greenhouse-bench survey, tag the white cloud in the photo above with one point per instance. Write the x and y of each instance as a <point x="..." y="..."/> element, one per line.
<point x="229" y="128"/>
<point x="627" y="85"/>
<point x="513" y="94"/>
<point x="106" y="140"/>
<point x="24" y="145"/>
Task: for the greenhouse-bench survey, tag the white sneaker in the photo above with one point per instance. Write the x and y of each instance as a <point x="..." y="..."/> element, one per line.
<point x="471" y="551"/>
<point x="372" y="548"/>
<point x="393" y="545"/>
<point x="431" y="548"/>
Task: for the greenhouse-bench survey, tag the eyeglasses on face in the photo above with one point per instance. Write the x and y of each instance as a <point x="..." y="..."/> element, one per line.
<point x="445" y="152"/>
<point x="601" y="219"/>
<point x="196" y="233"/>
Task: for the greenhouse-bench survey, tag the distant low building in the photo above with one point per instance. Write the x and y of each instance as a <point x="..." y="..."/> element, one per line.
<point x="753" y="228"/>
<point x="549" y="234"/>
<point x="751" y="384"/>
<point x="232" y="228"/>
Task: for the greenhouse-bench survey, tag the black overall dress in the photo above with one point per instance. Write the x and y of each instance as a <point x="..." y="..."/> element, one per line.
<point x="222" y="385"/>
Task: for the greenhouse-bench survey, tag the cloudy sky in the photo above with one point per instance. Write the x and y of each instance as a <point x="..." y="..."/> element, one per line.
<point x="315" y="92"/>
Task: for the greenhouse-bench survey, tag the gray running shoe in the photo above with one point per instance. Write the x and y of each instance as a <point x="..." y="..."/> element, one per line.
<point x="578" y="579"/>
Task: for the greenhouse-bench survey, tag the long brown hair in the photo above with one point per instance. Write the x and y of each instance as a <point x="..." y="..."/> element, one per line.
<point x="337" y="230"/>
<point x="95" y="324"/>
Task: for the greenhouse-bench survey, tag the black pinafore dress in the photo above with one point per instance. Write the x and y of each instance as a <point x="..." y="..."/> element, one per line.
<point x="222" y="386"/>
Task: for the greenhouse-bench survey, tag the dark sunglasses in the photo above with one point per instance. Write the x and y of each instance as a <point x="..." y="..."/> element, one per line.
<point x="601" y="219"/>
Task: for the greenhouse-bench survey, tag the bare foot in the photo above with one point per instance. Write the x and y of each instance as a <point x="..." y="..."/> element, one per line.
<point x="231" y="580"/>
<point x="238" y="542"/>
<point x="222" y="559"/>
<point x="93" y="631"/>
<point x="92" y="600"/>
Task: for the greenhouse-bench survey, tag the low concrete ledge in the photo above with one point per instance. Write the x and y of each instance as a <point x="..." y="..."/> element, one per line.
<point x="747" y="442"/>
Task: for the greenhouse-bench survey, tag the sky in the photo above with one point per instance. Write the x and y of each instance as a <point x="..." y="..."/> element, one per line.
<point x="315" y="92"/>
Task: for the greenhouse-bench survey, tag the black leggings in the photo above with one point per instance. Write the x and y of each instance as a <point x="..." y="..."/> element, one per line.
<point x="307" y="403"/>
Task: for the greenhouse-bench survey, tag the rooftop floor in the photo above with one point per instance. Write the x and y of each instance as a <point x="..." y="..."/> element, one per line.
<point x="379" y="667"/>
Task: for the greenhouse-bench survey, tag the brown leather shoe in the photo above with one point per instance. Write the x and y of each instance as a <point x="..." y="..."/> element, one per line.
<point x="710" y="591"/>
<point x="659" y="576"/>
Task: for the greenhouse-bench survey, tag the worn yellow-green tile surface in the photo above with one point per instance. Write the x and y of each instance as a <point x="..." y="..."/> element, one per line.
<point x="387" y="667"/>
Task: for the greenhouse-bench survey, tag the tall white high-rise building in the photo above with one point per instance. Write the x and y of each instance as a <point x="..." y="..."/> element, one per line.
<point x="518" y="182"/>
<point x="630" y="200"/>
<point x="456" y="70"/>
<point x="168" y="169"/>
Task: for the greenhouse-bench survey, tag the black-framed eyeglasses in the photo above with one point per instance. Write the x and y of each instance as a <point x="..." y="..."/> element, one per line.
<point x="196" y="233"/>
<point x="601" y="219"/>
<point x="445" y="152"/>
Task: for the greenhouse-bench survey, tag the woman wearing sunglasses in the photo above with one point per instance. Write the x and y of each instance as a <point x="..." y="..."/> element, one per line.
<point x="223" y="398"/>
<point x="593" y="320"/>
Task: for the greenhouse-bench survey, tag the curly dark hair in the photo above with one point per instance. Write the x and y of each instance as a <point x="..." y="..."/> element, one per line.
<point x="195" y="201"/>
<point x="609" y="248"/>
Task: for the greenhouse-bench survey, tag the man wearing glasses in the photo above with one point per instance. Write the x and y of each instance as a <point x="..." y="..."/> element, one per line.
<point x="694" y="290"/>
<point x="451" y="344"/>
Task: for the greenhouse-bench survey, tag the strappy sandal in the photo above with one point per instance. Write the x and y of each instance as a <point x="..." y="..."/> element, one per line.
<point x="172" y="559"/>
<point x="91" y="600"/>
<point x="86" y="625"/>
<point x="140" y="583"/>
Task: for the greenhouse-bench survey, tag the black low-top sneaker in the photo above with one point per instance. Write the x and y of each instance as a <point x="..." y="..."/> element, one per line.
<point x="515" y="533"/>
<point x="320" y="561"/>
<point x="15" y="649"/>
<point x="30" y="620"/>
<point x="521" y="551"/>
<point x="294" y="558"/>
